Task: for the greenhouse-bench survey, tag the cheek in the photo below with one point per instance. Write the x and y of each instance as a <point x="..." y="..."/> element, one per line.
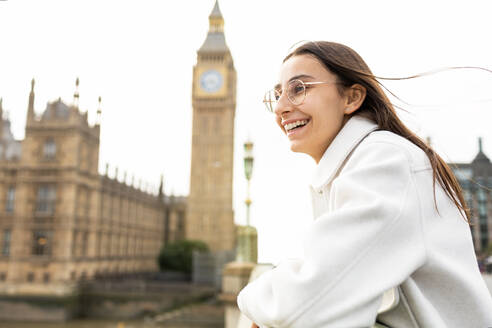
<point x="279" y="123"/>
<point x="327" y="120"/>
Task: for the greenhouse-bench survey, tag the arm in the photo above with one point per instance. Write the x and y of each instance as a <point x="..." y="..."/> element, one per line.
<point x="369" y="241"/>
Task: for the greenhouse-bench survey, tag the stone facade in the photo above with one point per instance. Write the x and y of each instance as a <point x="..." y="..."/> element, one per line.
<point x="60" y="220"/>
<point x="210" y="216"/>
<point x="476" y="180"/>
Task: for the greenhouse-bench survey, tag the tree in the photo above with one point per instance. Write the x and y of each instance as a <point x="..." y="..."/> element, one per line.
<point x="178" y="256"/>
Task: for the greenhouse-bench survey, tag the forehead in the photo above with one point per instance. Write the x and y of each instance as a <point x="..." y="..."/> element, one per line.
<point x="303" y="65"/>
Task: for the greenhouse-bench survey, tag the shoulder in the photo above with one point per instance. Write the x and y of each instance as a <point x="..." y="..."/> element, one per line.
<point x="386" y="143"/>
<point x="385" y="157"/>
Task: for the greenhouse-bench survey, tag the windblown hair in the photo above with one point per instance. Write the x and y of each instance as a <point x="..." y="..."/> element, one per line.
<point x="350" y="69"/>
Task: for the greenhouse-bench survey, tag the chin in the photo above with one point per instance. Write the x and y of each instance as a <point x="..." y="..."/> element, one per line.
<point x="297" y="148"/>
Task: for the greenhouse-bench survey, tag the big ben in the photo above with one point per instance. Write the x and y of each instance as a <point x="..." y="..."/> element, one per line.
<point x="210" y="216"/>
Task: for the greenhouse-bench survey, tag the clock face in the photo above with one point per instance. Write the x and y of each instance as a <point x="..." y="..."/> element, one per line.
<point x="211" y="81"/>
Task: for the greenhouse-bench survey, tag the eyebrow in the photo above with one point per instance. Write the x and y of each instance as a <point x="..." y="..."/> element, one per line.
<point x="296" y="77"/>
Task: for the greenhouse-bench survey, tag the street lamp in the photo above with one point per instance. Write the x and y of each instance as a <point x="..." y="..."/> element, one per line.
<point x="247" y="235"/>
<point x="248" y="170"/>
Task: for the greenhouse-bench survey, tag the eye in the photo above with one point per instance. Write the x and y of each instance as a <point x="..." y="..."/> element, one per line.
<point x="296" y="87"/>
<point x="277" y="93"/>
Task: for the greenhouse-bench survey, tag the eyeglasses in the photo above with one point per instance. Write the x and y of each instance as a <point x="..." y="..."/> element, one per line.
<point x="296" y="93"/>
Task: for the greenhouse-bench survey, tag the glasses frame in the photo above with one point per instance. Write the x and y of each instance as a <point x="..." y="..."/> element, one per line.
<point x="269" y="103"/>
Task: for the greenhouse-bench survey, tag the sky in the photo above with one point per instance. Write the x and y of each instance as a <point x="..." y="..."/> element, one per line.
<point x="139" y="55"/>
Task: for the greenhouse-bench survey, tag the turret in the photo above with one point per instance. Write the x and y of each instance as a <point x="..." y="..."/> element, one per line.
<point x="99" y="112"/>
<point x="1" y="108"/>
<point x="215" y="41"/>
<point x="161" y="188"/>
<point x="76" y="94"/>
<point x="30" y="106"/>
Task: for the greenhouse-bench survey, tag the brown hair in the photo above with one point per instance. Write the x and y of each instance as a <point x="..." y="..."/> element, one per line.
<point x="350" y="69"/>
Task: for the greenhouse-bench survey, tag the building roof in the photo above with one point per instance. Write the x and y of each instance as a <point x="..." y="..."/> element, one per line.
<point x="215" y="42"/>
<point x="10" y="149"/>
<point x="56" y="109"/>
<point x="481" y="157"/>
<point x="216" y="11"/>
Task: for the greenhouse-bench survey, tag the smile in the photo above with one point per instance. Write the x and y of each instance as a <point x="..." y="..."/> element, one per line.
<point x="295" y="125"/>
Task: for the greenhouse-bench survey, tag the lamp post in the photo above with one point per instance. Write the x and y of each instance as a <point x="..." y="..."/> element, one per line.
<point x="247" y="234"/>
<point x="248" y="170"/>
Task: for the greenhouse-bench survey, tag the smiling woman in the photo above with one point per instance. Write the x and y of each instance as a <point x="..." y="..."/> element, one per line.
<point x="388" y="246"/>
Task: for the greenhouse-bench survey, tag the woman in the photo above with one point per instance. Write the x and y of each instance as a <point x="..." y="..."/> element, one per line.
<point x="382" y="223"/>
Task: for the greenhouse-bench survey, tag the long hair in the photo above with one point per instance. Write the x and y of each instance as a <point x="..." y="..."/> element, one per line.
<point x="350" y="69"/>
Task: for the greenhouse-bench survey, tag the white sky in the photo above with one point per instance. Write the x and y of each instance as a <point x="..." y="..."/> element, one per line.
<point x="139" y="55"/>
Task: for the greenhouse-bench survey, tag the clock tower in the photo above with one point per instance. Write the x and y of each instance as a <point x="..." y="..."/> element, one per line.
<point x="210" y="217"/>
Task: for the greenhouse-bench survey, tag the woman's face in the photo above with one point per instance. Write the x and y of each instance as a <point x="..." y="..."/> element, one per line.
<point x="322" y="109"/>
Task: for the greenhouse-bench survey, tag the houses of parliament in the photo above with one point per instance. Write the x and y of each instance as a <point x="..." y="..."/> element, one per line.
<point x="62" y="221"/>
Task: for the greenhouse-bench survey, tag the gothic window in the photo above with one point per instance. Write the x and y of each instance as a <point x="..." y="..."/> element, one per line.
<point x="98" y="244"/>
<point x="482" y="203"/>
<point x="83" y="201"/>
<point x="108" y="244"/>
<point x="41" y="241"/>
<point x="84" y="156"/>
<point x="9" y="206"/>
<point x="128" y="247"/>
<point x="49" y="150"/>
<point x="107" y="206"/>
<point x="87" y="204"/>
<point x="45" y="202"/>
<point x="85" y="243"/>
<point x="217" y="126"/>
<point x="46" y="277"/>
<point x="122" y="245"/>
<point x="6" y="242"/>
<point x="481" y="195"/>
<point x="74" y="243"/>
<point x="482" y="211"/>
<point x="204" y="124"/>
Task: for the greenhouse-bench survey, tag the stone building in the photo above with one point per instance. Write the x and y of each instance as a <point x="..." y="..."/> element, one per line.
<point x="60" y="220"/>
<point x="476" y="180"/>
<point x="210" y="216"/>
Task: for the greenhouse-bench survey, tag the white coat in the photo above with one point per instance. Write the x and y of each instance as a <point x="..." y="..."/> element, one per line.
<point x="376" y="228"/>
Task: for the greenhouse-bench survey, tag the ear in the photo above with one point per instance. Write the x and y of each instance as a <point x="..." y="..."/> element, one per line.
<point x="354" y="97"/>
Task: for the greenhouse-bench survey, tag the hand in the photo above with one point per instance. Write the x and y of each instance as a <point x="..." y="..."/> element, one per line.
<point x="254" y="325"/>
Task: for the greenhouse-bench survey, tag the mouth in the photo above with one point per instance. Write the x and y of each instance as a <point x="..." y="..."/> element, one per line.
<point x="296" y="126"/>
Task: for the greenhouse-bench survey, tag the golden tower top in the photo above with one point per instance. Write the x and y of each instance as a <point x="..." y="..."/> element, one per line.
<point x="216" y="21"/>
<point x="215" y="41"/>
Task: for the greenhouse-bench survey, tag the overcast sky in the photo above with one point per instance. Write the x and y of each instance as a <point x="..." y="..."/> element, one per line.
<point x="139" y="55"/>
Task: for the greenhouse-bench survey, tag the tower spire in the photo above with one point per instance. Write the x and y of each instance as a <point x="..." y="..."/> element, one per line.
<point x="215" y="41"/>
<point x="215" y="20"/>
<point x="161" y="187"/>
<point x="98" y="119"/>
<point x="76" y="93"/>
<point x="30" y="106"/>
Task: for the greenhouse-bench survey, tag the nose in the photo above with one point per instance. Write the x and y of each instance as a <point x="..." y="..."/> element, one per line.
<point x="283" y="106"/>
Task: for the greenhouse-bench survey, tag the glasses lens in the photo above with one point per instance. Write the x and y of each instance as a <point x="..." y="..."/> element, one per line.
<point x="271" y="99"/>
<point x="296" y="91"/>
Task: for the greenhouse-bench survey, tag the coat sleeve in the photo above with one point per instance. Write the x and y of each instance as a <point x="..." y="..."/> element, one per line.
<point x="369" y="241"/>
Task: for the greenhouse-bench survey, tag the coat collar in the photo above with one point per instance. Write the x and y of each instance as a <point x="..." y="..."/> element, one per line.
<point x="352" y="133"/>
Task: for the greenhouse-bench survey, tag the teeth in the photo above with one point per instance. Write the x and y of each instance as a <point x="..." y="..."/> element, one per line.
<point x="295" y="124"/>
